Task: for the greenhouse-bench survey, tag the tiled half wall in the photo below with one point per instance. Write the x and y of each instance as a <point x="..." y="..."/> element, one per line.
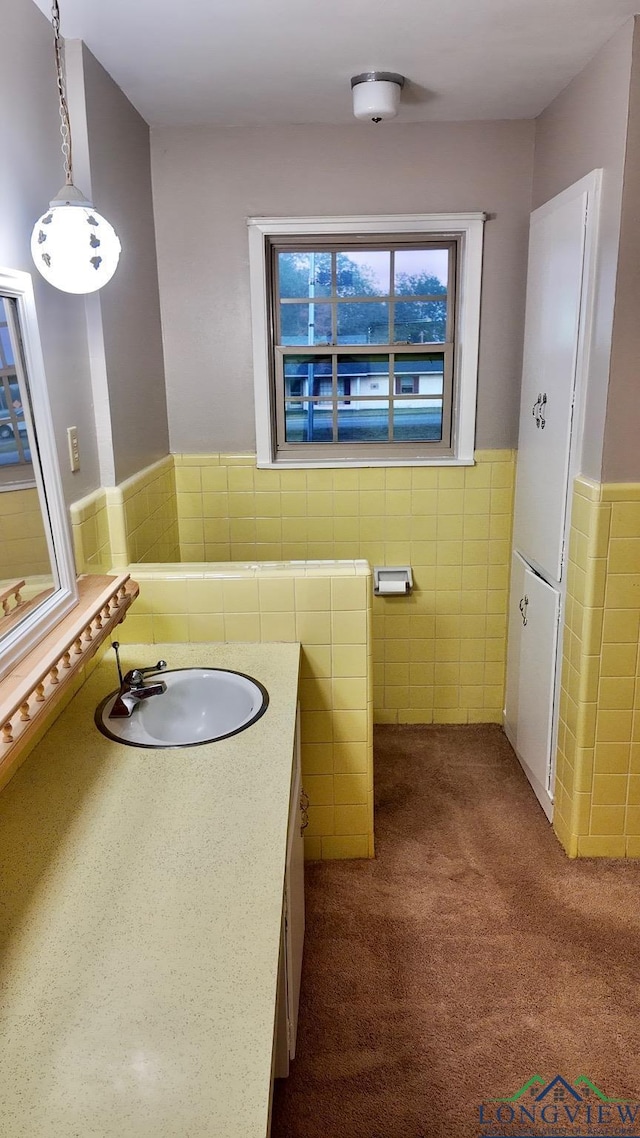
<point x="327" y="609"/>
<point x="136" y="521"/>
<point x="597" y="805"/>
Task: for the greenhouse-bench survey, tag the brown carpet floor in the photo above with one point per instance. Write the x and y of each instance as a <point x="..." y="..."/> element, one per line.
<point x="469" y="956"/>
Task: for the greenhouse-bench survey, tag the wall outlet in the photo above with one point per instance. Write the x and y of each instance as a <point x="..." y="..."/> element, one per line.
<point x="74" y="450"/>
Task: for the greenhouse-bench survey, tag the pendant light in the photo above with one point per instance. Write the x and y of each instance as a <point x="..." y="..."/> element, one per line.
<point x="74" y="248"/>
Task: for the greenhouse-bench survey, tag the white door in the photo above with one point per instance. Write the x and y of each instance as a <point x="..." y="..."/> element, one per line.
<point x="533" y="649"/>
<point x="552" y="324"/>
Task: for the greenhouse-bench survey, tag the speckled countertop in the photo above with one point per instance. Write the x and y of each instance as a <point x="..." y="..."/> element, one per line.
<point x="141" y="909"/>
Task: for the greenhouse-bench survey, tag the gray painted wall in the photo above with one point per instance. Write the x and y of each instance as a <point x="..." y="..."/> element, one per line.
<point x="128" y="335"/>
<point x="120" y="171"/>
<point x="585" y="128"/>
<point x="206" y="181"/>
<point x="32" y="173"/>
<point x="621" y="454"/>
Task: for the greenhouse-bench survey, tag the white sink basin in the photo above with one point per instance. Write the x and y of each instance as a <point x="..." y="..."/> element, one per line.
<point x="200" y="705"/>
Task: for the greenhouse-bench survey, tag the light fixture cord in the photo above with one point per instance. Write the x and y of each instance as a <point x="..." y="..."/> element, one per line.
<point x="65" y="122"/>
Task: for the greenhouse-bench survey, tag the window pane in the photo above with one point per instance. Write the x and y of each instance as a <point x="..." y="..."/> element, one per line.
<point x="304" y="274"/>
<point x="420" y="322"/>
<point x="363" y="375"/>
<point x="417" y="419"/>
<point x="307" y="375"/>
<point x="308" y="422"/>
<point x="427" y="373"/>
<point x="14" y="440"/>
<point x="363" y="323"/>
<point x="305" y="323"/>
<point x="363" y="274"/>
<point x="6" y="351"/>
<point x="363" y="421"/>
<point x="421" y="272"/>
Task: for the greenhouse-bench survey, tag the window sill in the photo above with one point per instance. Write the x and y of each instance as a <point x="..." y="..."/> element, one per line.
<point x="339" y="464"/>
<point x="40" y="681"/>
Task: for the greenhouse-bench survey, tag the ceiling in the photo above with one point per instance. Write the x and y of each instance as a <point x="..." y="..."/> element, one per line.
<point x="290" y="61"/>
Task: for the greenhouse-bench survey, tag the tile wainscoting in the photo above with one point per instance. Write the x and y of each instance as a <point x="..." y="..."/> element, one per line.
<point x="597" y="805"/>
<point x="439" y="654"/>
<point x="136" y="521"/>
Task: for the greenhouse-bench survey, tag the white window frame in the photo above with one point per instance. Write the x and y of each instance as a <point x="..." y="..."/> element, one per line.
<point x="468" y="230"/>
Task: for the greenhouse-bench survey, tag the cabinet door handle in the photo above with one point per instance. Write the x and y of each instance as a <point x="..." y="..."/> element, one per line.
<point x="524" y="601"/>
<point x="304" y="810"/>
<point x="538" y="410"/>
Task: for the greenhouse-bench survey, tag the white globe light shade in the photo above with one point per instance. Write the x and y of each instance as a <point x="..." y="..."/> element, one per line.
<point x="74" y="248"/>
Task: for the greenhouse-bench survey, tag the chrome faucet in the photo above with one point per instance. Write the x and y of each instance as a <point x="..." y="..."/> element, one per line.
<point x="133" y="688"/>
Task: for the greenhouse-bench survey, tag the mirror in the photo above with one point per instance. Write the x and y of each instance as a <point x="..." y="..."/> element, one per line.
<point x="27" y="576"/>
<point x="37" y="578"/>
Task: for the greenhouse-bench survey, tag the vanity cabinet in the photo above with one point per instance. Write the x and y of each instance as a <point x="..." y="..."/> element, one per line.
<point x="292" y="936"/>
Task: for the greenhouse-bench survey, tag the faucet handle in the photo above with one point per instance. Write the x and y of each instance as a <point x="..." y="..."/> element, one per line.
<point x="137" y="675"/>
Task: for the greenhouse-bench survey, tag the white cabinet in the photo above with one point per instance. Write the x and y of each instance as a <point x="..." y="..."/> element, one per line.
<point x="292" y="939"/>
<point x="554" y="289"/>
<point x="534" y="615"/>
<point x="558" y="331"/>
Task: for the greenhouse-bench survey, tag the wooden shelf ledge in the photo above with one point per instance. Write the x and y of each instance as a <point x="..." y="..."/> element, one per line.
<point x="40" y="680"/>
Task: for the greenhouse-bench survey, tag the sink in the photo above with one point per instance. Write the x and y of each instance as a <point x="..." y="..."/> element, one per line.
<point x="199" y="705"/>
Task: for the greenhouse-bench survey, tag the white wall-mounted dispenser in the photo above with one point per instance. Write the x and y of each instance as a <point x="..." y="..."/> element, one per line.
<point x="392" y="580"/>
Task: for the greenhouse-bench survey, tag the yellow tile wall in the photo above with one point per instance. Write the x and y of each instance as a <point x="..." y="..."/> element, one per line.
<point x="439" y="655"/>
<point x="143" y="521"/>
<point x="23" y="544"/>
<point x="134" y="521"/>
<point x="90" y="533"/>
<point x="327" y="608"/>
<point x="597" y="800"/>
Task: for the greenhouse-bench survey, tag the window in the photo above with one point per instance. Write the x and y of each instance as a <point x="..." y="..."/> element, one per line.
<point x="365" y="334"/>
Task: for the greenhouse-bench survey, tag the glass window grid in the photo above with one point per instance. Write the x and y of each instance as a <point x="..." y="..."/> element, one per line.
<point x="334" y="299"/>
<point x="334" y="349"/>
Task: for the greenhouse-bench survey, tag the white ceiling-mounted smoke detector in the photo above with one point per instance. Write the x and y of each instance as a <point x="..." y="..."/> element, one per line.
<point x="376" y="95"/>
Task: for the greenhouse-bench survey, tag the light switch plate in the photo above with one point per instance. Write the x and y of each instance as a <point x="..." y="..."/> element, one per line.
<point x="74" y="450"/>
